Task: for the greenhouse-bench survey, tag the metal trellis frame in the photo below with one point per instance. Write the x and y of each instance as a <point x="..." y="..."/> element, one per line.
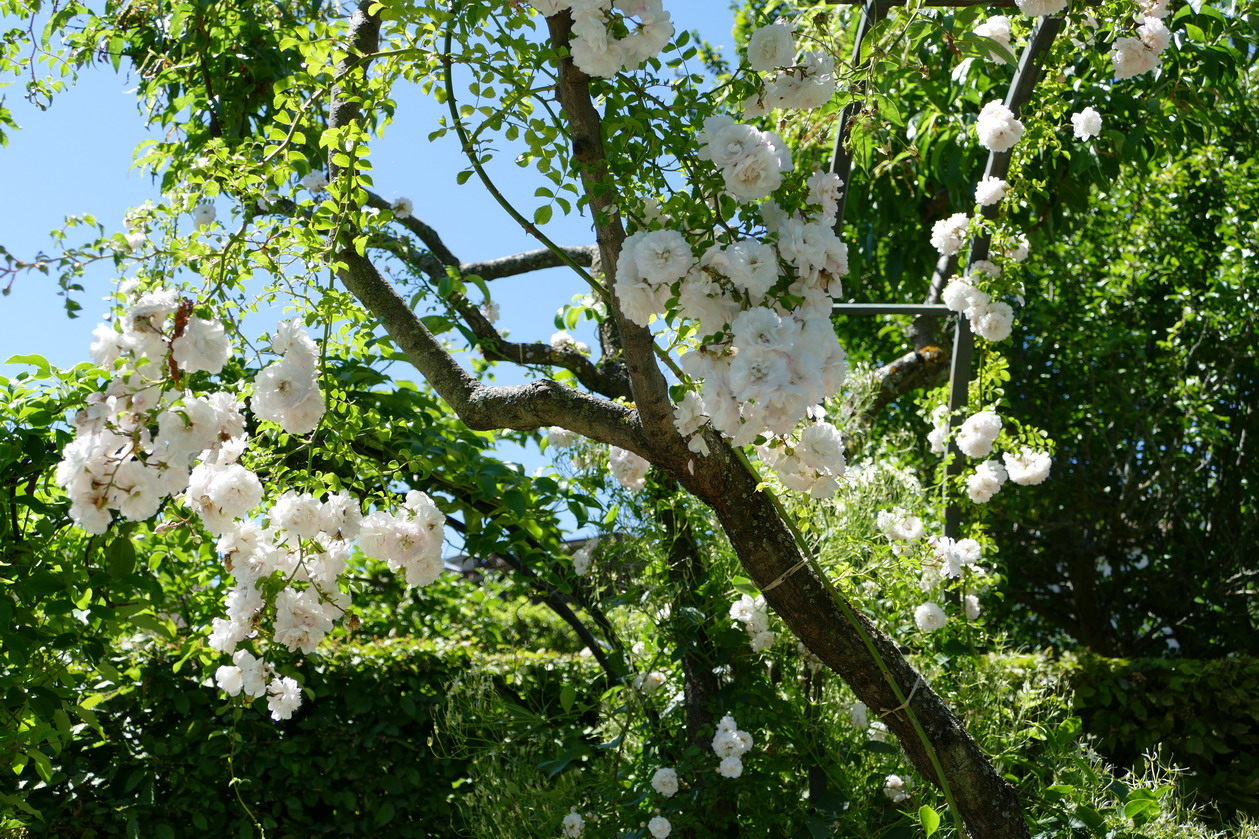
<point x="1026" y="75"/>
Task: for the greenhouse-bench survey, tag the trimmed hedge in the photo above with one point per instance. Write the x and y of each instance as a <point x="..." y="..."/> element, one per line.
<point x="360" y="758"/>
<point x="1202" y="714"/>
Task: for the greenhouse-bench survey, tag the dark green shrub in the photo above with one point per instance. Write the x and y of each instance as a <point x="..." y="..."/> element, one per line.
<point x="1202" y="714"/>
<point x="362" y="757"/>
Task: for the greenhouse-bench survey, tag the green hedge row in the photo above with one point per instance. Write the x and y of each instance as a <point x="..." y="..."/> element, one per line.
<point x="361" y="758"/>
<point x="1201" y="714"/>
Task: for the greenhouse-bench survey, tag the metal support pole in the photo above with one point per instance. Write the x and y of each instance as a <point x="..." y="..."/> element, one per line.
<point x="841" y="160"/>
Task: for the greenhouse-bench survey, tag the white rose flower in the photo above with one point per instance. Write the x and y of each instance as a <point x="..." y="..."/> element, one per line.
<point x="771" y="47"/>
<point x="997" y="128"/>
<point x="930" y="617"/>
<point x="285" y="697"/>
<point x="315" y="181"/>
<point x="203" y="214"/>
<point x="659" y="827"/>
<point x="1028" y="467"/>
<point x="990" y="191"/>
<point x="665" y="782"/>
<point x="949" y="234"/>
<point x="1087" y="123"/>
<point x="896" y="789"/>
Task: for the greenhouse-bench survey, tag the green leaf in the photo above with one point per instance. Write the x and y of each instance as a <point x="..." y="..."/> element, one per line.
<point x="120" y="558"/>
<point x="930" y="819"/>
<point x="41" y="365"/>
<point x="568" y="695"/>
<point x="1091" y="818"/>
<point x="542" y="215"/>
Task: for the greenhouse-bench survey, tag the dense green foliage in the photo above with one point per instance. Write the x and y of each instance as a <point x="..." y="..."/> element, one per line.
<point x="366" y="758"/>
<point x="1142" y="365"/>
<point x="1201" y="715"/>
<point x="442" y="739"/>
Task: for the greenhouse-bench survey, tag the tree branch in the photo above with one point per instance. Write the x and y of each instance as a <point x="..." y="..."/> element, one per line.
<point x="606" y="379"/>
<point x="422" y="231"/>
<point x="523" y="263"/>
<point x="522" y="407"/>
<point x="651" y="392"/>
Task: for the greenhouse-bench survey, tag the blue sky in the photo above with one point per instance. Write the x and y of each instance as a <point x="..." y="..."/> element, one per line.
<point x="75" y="158"/>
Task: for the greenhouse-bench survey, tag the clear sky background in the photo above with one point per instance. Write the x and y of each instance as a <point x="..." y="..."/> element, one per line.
<point x="75" y="158"/>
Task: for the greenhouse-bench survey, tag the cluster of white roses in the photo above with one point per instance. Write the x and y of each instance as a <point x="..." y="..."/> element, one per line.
<point x="990" y="319"/>
<point x="1027" y="468"/>
<point x="763" y="365"/>
<point x="254" y="677"/>
<point x="307" y="543"/>
<point x="410" y="541"/>
<point x="1041" y="8"/>
<point x="947" y="560"/>
<point x="287" y="392"/>
<point x="900" y="527"/>
<point x="596" y="50"/>
<point x="814" y="464"/>
<point x="753" y="614"/>
<point x="752" y="162"/>
<point x="1132" y="56"/>
<point x="730" y="744"/>
<point x="135" y="442"/>
<point x="975" y="439"/>
<point x="145" y="438"/>
<point x="807" y="82"/>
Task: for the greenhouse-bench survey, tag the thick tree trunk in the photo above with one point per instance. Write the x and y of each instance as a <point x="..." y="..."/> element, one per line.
<point x="851" y="646"/>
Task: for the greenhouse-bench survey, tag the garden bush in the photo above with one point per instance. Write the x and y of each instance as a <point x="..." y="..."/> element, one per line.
<point x="1202" y="714"/>
<point x="364" y="760"/>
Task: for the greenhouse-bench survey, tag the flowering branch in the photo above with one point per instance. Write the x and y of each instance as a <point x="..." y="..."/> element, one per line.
<point x="521" y="407"/>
